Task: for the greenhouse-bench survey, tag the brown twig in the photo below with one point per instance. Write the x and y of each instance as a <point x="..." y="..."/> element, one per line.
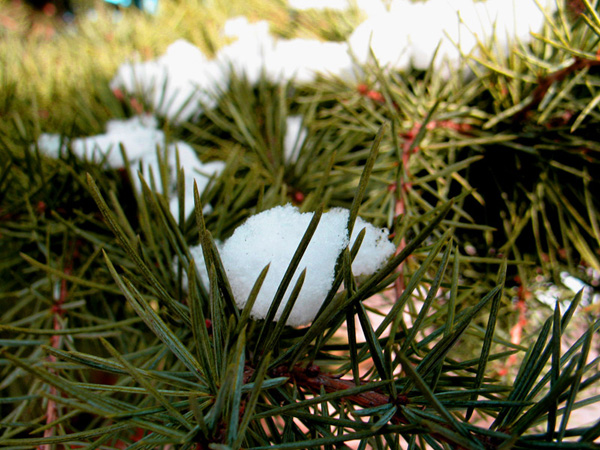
<point x="408" y="149"/>
<point x="55" y="342"/>
<point x="56" y="339"/>
<point x="312" y="379"/>
<point x="545" y="83"/>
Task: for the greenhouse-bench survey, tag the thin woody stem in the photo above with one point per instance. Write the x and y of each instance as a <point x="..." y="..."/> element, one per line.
<point x="56" y="342"/>
<point x="545" y="83"/>
<point x="312" y="379"/>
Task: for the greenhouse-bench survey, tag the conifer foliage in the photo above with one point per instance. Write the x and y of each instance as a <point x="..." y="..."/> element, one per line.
<point x="412" y="213"/>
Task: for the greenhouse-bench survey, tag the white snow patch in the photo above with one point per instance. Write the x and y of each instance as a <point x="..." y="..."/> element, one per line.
<point x="194" y="170"/>
<point x="139" y="135"/>
<point x="302" y="59"/>
<point x="371" y="7"/>
<point x="256" y="52"/>
<point x="572" y="283"/>
<point x="175" y="83"/>
<point x="272" y="237"/>
<point x="248" y="54"/>
<point x="375" y="248"/>
<point x="548" y="294"/>
<point x="141" y="140"/>
<point x="198" y="257"/>
<point x="409" y="33"/>
<point x="295" y="134"/>
<point x="575" y="285"/>
<point x="402" y="35"/>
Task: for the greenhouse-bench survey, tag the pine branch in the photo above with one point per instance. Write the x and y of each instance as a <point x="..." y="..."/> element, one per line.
<point x="546" y="82"/>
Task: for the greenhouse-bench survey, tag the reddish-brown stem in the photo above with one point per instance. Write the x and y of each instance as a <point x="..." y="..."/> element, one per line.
<point x="408" y="149"/>
<point x="55" y="342"/>
<point x="314" y="380"/>
<point x="545" y="83"/>
<point x="56" y="339"/>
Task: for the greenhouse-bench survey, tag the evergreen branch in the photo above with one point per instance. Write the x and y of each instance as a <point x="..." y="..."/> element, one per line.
<point x="545" y="83"/>
<point x="317" y="382"/>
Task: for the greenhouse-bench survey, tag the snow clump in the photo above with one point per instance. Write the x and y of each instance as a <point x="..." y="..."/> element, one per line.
<point x="399" y="36"/>
<point x="295" y="134"/>
<point x="141" y="139"/>
<point x="257" y="52"/>
<point x="247" y="55"/>
<point x="409" y="33"/>
<point x="272" y="237"/>
<point x="139" y="135"/>
<point x="175" y="83"/>
<point x="182" y="80"/>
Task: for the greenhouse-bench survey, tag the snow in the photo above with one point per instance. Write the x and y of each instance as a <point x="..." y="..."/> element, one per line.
<point x="375" y="248"/>
<point x="139" y="135"/>
<point x="194" y="170"/>
<point x="371" y="7"/>
<point x="575" y="285"/>
<point x="549" y="293"/>
<point x="302" y="59"/>
<point x="398" y="34"/>
<point x="404" y="34"/>
<point x="141" y="140"/>
<point x="385" y="37"/>
<point x="295" y="134"/>
<point x="175" y="83"/>
<point x="182" y="81"/>
<point x="248" y="54"/>
<point x="271" y="237"/>
<point x="256" y="52"/>
<point x="409" y="33"/>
